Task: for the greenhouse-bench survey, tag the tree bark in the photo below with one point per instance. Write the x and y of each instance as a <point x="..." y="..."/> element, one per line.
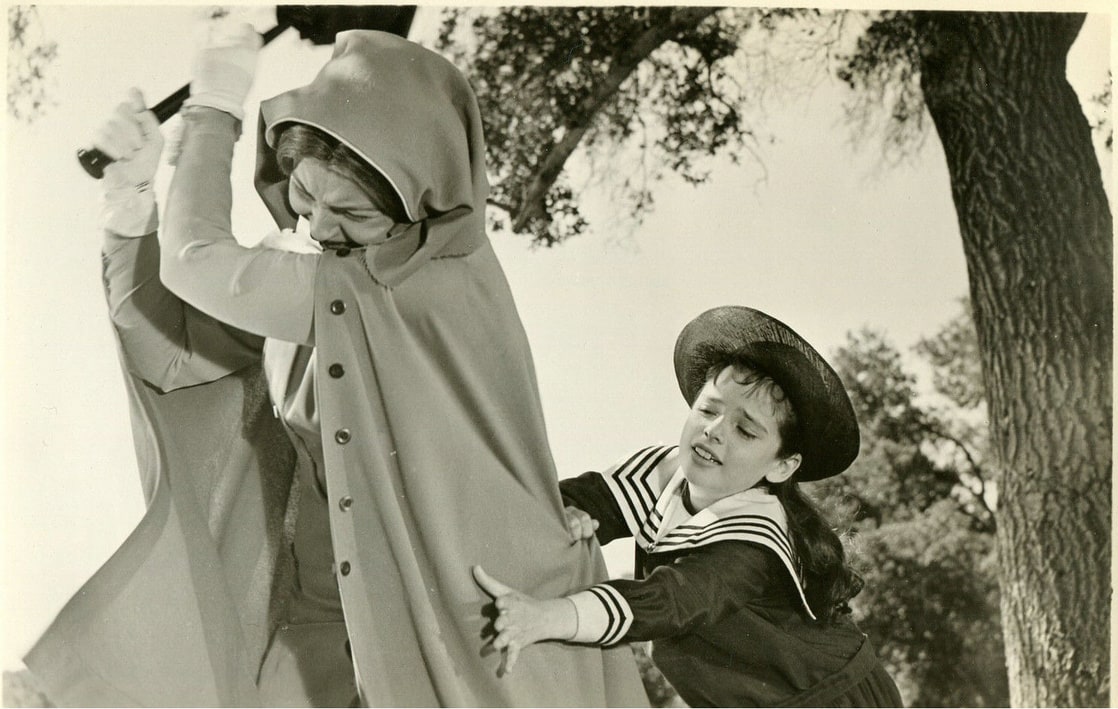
<point x="1037" y="234"/>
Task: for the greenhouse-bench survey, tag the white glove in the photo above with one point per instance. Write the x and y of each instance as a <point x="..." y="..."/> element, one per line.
<point x="224" y="67"/>
<point x="132" y="139"/>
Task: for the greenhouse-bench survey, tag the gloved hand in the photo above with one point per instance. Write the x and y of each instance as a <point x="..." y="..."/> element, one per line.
<point x="131" y="137"/>
<point x="224" y="67"/>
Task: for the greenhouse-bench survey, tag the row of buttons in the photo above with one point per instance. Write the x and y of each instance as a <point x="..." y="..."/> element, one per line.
<point x="342" y="435"/>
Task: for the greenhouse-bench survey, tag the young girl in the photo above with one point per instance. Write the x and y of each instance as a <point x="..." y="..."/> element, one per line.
<point x="740" y="582"/>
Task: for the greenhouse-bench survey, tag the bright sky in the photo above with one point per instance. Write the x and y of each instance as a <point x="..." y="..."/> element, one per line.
<point x="828" y="243"/>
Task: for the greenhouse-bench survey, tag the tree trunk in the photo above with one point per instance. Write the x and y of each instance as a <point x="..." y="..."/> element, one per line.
<point x="1036" y="231"/>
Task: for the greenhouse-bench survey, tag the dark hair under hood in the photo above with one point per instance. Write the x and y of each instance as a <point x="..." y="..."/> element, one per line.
<point x="410" y="114"/>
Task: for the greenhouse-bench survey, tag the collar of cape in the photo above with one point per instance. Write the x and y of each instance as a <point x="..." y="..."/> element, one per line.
<point x="649" y="485"/>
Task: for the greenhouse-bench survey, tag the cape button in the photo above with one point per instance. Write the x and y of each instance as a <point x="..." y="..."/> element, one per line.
<point x="344" y="568"/>
<point x="336" y="370"/>
<point x="342" y="436"/>
<point x="337" y="307"/>
<point x="345" y="503"/>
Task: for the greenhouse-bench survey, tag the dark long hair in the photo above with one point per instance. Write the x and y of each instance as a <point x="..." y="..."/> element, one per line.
<point x="829" y="581"/>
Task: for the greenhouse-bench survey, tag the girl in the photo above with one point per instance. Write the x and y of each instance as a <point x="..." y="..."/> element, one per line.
<point x="740" y="583"/>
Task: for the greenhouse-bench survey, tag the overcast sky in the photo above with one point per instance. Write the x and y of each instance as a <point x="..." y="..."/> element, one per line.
<point x="829" y="242"/>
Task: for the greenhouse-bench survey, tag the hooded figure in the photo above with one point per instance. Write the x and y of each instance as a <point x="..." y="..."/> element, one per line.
<point x="405" y="381"/>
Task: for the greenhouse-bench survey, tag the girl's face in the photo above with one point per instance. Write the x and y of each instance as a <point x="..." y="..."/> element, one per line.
<point x="339" y="213"/>
<point x="730" y="440"/>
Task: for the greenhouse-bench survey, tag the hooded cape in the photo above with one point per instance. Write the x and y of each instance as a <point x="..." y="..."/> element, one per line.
<point x="180" y="614"/>
<point x="435" y="430"/>
<point x="433" y="437"/>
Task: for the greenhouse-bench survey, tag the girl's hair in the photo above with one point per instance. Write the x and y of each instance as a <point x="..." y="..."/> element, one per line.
<point x="829" y="581"/>
<point x="298" y="141"/>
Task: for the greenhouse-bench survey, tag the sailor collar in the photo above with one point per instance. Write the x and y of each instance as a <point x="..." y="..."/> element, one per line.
<point x="646" y="500"/>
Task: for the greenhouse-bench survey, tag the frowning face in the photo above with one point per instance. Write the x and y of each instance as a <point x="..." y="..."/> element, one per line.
<point x="731" y="439"/>
<point x="339" y="212"/>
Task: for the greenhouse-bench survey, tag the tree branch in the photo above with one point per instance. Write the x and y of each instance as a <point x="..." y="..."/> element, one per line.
<point x="625" y="62"/>
<point x="976" y="469"/>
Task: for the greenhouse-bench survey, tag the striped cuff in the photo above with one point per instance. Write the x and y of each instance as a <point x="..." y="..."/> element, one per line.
<point x="604" y="615"/>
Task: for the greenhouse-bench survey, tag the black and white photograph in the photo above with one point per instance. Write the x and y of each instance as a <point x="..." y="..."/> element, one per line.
<point x="558" y="355"/>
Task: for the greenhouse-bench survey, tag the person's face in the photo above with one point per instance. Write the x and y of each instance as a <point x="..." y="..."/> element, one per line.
<point x="339" y="213"/>
<point x="730" y="440"/>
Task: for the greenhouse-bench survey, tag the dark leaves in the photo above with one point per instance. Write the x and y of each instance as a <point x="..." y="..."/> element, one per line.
<point x="30" y="55"/>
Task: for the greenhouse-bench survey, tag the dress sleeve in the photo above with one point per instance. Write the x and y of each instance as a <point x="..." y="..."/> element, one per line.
<point x="164" y="341"/>
<point x="265" y="291"/>
<point x="697" y="589"/>
<point x="589" y="493"/>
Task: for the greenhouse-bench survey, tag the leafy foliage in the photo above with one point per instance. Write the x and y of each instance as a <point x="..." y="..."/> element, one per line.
<point x="953" y="354"/>
<point x="931" y="605"/>
<point x="644" y="89"/>
<point x="29" y="57"/>
<point x="883" y="72"/>
<point x="1101" y="122"/>
<point x="917" y="500"/>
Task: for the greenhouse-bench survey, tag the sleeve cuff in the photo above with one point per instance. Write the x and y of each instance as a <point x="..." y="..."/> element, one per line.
<point x="209" y="120"/>
<point x="129" y="212"/>
<point x="604" y="616"/>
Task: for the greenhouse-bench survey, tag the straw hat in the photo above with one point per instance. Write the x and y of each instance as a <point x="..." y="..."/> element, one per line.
<point x="829" y="428"/>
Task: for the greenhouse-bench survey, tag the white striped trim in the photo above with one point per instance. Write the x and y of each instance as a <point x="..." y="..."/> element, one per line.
<point x="634" y="485"/>
<point x="752" y="516"/>
<point x="618" y="613"/>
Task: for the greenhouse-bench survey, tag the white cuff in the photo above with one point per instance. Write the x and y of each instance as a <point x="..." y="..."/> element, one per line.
<point x="228" y="104"/>
<point x="604" y="616"/>
<point x="129" y="212"/>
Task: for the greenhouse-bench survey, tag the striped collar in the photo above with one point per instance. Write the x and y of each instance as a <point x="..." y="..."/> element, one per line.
<point x="648" y="487"/>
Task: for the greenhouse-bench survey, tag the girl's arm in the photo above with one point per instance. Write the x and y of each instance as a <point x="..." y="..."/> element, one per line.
<point x="621" y="497"/>
<point x="264" y="291"/>
<point x="696" y="590"/>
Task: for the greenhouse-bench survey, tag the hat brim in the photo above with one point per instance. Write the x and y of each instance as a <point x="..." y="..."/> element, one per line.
<point x="829" y="428"/>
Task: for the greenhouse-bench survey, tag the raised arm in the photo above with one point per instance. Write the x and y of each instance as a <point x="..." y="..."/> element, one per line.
<point x="265" y="291"/>
<point x="163" y="341"/>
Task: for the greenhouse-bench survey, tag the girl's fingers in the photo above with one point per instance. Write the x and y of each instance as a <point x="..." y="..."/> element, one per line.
<point x="489" y="584"/>
<point x="579" y="524"/>
<point x="512" y="656"/>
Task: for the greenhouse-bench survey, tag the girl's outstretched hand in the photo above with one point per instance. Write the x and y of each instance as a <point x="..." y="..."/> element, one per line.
<point x="523" y="620"/>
